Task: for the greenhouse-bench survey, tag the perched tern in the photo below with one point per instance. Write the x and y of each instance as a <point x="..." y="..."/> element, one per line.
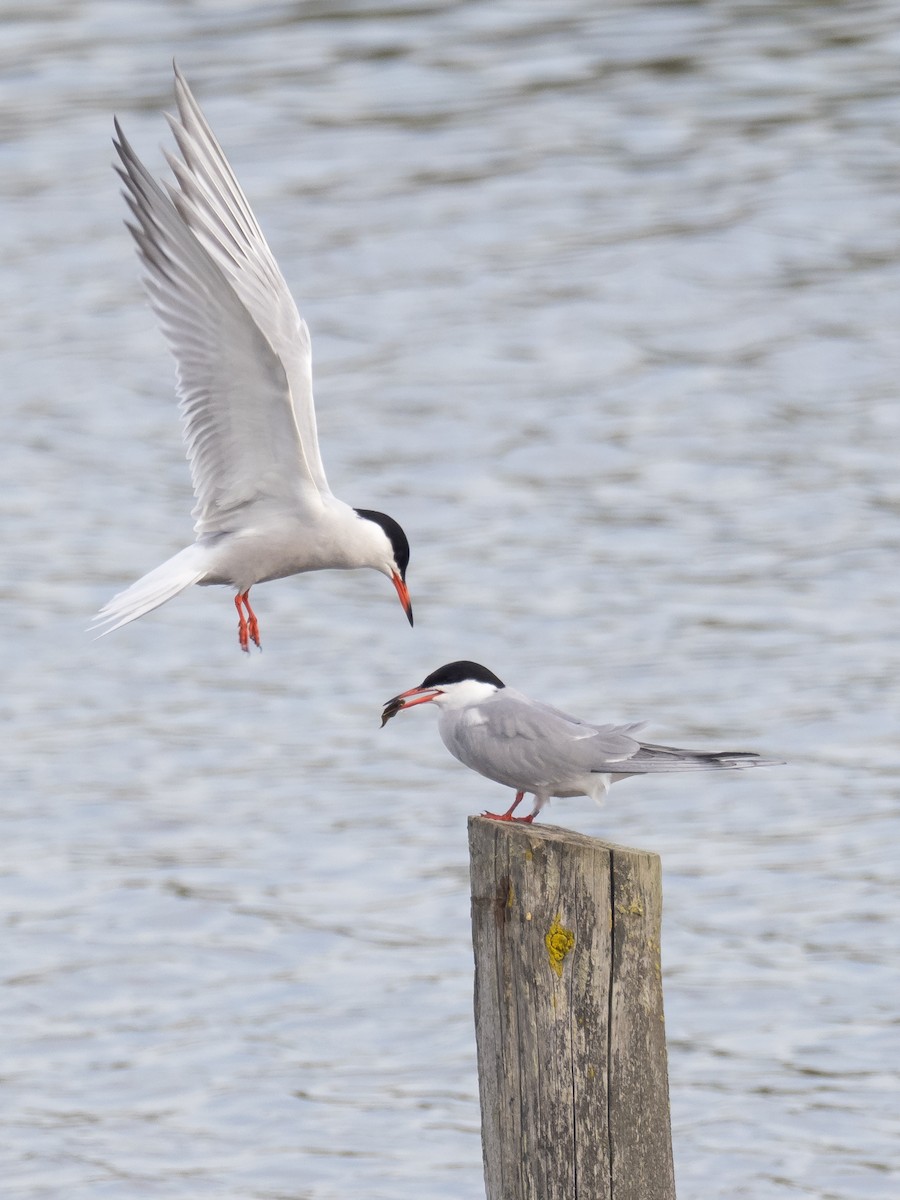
<point x="534" y="748"/>
<point x="244" y="382"/>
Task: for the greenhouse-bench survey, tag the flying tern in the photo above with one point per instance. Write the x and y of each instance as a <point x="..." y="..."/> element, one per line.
<point x="244" y="382"/>
<point x="531" y="747"/>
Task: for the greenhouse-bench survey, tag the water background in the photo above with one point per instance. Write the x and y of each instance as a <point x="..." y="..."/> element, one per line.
<point x="605" y="310"/>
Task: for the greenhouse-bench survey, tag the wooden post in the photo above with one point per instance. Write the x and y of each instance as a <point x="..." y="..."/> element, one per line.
<point x="569" y="1016"/>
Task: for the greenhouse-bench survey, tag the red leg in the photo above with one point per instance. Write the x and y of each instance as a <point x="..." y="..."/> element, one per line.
<point x="508" y="815"/>
<point x="243" y="632"/>
<point x="252" y="624"/>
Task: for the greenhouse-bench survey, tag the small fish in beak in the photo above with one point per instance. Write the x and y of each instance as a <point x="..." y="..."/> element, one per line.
<point x="391" y="709"/>
<point x="417" y="695"/>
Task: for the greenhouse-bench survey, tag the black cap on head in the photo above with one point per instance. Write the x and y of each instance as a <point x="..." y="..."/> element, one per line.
<point x="459" y="672"/>
<point x="394" y="534"/>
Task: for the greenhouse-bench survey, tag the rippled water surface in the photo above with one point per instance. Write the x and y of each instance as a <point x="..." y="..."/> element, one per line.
<point x="605" y="309"/>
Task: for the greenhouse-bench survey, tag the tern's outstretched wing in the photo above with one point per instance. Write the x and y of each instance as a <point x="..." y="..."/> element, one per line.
<point x="212" y="203"/>
<point x="242" y="380"/>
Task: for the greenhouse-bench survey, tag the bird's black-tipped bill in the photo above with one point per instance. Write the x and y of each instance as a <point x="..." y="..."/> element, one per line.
<point x="403" y="592"/>
<point x="403" y="701"/>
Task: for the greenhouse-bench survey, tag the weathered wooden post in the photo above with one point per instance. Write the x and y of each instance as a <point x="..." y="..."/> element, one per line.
<point x="569" y="1016"/>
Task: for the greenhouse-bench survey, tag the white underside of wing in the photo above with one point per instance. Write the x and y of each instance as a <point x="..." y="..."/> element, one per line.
<point x="235" y="392"/>
<point x="212" y="203"/>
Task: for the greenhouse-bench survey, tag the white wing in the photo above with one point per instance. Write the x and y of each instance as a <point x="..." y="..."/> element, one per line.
<point x="212" y="203"/>
<point x="235" y="393"/>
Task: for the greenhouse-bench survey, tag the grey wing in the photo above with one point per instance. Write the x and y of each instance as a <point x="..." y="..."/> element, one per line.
<point x="523" y="741"/>
<point x="559" y="739"/>
<point x="211" y="202"/>
<point x="651" y="759"/>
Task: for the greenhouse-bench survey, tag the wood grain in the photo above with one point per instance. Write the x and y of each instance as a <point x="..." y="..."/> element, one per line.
<point x="569" y="1016"/>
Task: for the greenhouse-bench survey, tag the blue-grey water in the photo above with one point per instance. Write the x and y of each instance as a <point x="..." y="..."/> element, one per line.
<point x="605" y="305"/>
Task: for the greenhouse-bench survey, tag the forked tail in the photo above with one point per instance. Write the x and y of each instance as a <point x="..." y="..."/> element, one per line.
<point x="150" y="591"/>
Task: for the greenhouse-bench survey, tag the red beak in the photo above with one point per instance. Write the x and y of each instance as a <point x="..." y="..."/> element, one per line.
<point x="422" y="696"/>
<point x="403" y="593"/>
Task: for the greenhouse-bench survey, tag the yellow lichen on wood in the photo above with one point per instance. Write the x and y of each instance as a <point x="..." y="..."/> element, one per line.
<point x="559" y="941"/>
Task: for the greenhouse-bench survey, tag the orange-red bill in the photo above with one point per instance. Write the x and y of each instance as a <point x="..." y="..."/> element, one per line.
<point x="403" y="593"/>
<point x="421" y="697"/>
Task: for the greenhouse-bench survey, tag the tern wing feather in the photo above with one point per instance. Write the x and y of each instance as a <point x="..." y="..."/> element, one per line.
<point x="213" y="205"/>
<point x="523" y="742"/>
<point x="651" y="759"/>
<point x="242" y="438"/>
<point x="524" y="728"/>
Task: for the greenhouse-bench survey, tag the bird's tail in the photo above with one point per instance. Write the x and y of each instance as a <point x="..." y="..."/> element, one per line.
<point x="151" y="590"/>
<point x="650" y="759"/>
